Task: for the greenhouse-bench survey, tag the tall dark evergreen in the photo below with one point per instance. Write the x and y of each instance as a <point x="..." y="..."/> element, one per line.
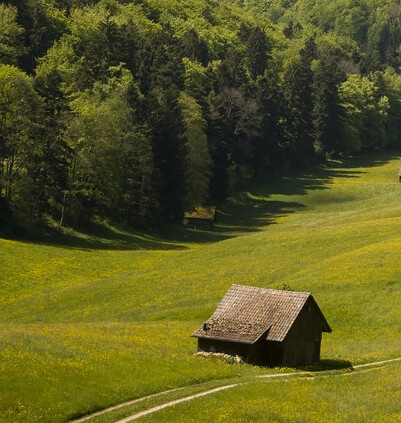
<point x="194" y="47"/>
<point x="327" y="110"/>
<point x="257" y="49"/>
<point x="232" y="70"/>
<point x="129" y="47"/>
<point x="389" y="42"/>
<point x="164" y="121"/>
<point x="270" y="100"/>
<point x="166" y="81"/>
<point x="298" y="92"/>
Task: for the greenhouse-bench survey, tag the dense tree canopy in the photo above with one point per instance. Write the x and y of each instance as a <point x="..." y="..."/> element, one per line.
<point x="136" y="110"/>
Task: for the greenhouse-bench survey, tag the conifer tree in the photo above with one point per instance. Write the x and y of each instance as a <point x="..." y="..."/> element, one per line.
<point x="327" y="110"/>
<point x="298" y="80"/>
<point x="197" y="159"/>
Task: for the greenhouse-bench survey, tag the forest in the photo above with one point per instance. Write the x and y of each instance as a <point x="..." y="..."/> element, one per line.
<point x="135" y="110"/>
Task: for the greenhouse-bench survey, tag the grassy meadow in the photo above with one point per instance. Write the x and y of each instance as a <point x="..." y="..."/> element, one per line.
<point x="103" y="317"/>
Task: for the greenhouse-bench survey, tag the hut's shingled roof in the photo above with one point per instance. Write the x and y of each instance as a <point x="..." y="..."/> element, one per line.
<point x="201" y="212"/>
<point x="247" y="314"/>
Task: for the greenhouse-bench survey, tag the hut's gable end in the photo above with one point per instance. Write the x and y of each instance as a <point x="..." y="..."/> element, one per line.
<point x="303" y="340"/>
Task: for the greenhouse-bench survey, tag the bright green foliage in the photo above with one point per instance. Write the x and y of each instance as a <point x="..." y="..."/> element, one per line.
<point x="11" y="46"/>
<point x="194" y="77"/>
<point x="392" y="89"/>
<point x="19" y="104"/>
<point x="96" y="136"/>
<point x="366" y="113"/>
<point x="62" y="58"/>
<point x="110" y="151"/>
<point x="356" y="96"/>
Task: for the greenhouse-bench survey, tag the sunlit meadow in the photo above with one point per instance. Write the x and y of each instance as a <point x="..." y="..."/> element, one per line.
<point x="100" y="320"/>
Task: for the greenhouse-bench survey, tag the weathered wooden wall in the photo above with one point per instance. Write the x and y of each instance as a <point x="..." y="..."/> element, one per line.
<point x="202" y="224"/>
<point x="302" y="344"/>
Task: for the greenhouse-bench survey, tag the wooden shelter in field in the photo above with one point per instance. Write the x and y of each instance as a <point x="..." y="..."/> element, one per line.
<point x="200" y="217"/>
<point x="265" y="327"/>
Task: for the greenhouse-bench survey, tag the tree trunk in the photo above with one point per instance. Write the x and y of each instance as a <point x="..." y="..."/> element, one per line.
<point x="63" y="209"/>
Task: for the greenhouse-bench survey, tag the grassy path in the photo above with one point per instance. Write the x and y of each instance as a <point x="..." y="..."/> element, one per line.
<point x="293" y="375"/>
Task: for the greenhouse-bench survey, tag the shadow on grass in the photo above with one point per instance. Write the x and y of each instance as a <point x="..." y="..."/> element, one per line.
<point x="248" y="214"/>
<point x="97" y="236"/>
<point x="253" y="210"/>
<point x="180" y="234"/>
<point x="94" y="236"/>
<point x="329" y="364"/>
<point x="247" y="211"/>
<point x="101" y="236"/>
<point x="372" y="160"/>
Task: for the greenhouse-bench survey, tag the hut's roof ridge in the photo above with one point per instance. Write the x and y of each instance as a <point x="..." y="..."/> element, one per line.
<point x="247" y="314"/>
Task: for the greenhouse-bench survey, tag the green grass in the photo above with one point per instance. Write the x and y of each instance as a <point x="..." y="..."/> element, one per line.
<point x="102" y="317"/>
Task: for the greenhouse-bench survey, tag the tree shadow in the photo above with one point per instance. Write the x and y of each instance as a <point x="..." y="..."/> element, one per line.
<point x="253" y="210"/>
<point x="372" y="159"/>
<point x="101" y="236"/>
<point x="178" y="233"/>
<point x="253" y="215"/>
<point x="247" y="211"/>
<point x="329" y="364"/>
<point x="95" y="236"/>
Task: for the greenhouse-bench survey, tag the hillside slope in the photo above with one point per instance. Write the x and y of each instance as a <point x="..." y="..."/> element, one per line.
<point x="85" y="328"/>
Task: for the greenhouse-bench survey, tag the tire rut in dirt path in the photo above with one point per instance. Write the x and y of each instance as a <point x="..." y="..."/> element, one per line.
<point x="122" y="405"/>
<point x="177" y="401"/>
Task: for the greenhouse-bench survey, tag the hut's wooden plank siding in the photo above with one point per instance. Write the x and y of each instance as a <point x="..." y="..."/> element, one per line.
<point x="302" y="343"/>
<point x="266" y="327"/>
<point x="200" y="224"/>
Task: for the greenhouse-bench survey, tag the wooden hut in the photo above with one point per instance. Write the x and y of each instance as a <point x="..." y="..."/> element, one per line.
<point x="201" y="217"/>
<point x="265" y="327"/>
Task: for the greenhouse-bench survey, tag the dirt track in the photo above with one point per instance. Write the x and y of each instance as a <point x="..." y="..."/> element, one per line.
<point x="212" y="391"/>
